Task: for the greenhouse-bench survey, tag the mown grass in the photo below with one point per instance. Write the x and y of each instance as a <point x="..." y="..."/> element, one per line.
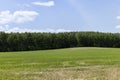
<point x="61" y="64"/>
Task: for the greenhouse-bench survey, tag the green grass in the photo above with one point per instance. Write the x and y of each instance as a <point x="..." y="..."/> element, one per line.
<point x="23" y="65"/>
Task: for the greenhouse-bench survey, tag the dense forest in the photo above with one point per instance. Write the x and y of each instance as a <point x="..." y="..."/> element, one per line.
<point x="42" y="41"/>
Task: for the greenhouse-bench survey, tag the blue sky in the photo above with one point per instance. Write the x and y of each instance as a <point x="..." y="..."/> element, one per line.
<point x="59" y="15"/>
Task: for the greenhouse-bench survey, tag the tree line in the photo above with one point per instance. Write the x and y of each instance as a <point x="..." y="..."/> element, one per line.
<point x="43" y="41"/>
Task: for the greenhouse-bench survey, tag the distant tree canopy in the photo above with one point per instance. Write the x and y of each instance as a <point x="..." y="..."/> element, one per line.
<point x="43" y="41"/>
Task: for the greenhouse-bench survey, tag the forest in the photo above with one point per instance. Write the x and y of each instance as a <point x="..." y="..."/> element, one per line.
<point x="43" y="41"/>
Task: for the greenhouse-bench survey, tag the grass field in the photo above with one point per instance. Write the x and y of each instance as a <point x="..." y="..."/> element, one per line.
<point x="61" y="64"/>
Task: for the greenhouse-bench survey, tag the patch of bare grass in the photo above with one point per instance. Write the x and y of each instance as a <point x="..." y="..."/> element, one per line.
<point x="73" y="73"/>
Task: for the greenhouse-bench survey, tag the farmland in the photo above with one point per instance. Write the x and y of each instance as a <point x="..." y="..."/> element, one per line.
<point x="61" y="64"/>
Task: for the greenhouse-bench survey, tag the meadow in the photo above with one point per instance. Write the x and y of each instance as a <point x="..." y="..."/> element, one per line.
<point x="61" y="64"/>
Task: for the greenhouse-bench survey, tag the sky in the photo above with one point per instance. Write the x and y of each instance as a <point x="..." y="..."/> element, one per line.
<point x="59" y="15"/>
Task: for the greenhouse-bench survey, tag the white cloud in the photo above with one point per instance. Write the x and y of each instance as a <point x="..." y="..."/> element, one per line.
<point x="4" y="28"/>
<point x="17" y="17"/>
<point x="47" y="4"/>
<point x="117" y="27"/>
<point x="118" y="17"/>
<point x="8" y="29"/>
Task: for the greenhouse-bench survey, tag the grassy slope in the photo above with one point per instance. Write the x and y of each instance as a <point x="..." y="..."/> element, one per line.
<point x="20" y="62"/>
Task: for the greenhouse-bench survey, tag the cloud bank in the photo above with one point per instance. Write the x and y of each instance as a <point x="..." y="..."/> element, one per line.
<point x="8" y="29"/>
<point x="17" y="16"/>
